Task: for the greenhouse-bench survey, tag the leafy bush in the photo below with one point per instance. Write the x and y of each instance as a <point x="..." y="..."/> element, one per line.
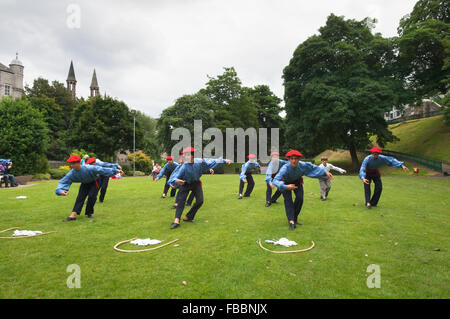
<point x="45" y="176"/>
<point x="143" y="162"/>
<point x="127" y="169"/>
<point x="65" y="167"/>
<point x="58" y="173"/>
<point x="42" y="166"/>
<point x="82" y="152"/>
<point x="24" y="135"/>
<point x="138" y="173"/>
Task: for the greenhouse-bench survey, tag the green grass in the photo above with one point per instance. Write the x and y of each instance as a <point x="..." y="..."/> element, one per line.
<point x="218" y="255"/>
<point x="428" y="137"/>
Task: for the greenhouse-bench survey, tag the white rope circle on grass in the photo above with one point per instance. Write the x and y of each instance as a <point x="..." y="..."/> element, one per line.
<point x="139" y="250"/>
<point x="286" y="251"/>
<point x="15" y="237"/>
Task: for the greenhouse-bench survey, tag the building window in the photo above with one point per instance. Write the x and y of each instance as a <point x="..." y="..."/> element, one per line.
<point x="397" y="113"/>
<point x="7" y="90"/>
<point x="390" y="115"/>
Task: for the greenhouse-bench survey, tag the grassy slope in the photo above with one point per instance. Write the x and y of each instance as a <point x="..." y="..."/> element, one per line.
<point x="428" y="137"/>
<point x="218" y="255"/>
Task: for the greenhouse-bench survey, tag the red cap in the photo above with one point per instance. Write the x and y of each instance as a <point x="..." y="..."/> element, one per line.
<point x="376" y="150"/>
<point x="251" y="156"/>
<point x="91" y="160"/>
<point x="169" y="158"/>
<point x="274" y="153"/>
<point x="73" y="158"/>
<point x="293" y="153"/>
<point x="188" y="150"/>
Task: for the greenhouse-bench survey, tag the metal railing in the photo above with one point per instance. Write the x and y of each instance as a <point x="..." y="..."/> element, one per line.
<point x="427" y="162"/>
<point x="414" y="117"/>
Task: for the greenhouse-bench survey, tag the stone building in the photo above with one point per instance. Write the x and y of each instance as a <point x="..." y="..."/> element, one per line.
<point x="72" y="83"/>
<point x="11" y="78"/>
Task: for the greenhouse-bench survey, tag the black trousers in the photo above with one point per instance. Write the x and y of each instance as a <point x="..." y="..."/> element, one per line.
<point x="251" y="184"/>
<point x="377" y="191"/>
<point x="292" y="207"/>
<point x="196" y="188"/>
<point x="89" y="190"/>
<point x="269" y="197"/>
<point x="166" y="189"/>
<point x="103" y="183"/>
<point x="190" y="198"/>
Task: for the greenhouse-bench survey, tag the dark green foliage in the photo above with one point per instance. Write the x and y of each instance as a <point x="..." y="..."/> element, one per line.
<point x="338" y="85"/>
<point x="424" y="46"/>
<point x="24" y="135"/>
<point x="104" y="126"/>
<point x="57" y="173"/>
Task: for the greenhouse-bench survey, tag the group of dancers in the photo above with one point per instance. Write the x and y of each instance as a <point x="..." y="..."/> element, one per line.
<point x="284" y="175"/>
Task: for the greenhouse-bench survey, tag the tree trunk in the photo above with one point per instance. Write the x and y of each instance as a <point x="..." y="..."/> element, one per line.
<point x="354" y="155"/>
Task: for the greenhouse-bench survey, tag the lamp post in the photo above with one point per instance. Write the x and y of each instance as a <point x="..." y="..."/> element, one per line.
<point x="134" y="142"/>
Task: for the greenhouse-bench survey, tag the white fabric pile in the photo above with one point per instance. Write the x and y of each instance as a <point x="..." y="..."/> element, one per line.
<point x="26" y="232"/>
<point x="145" y="242"/>
<point x="21" y="197"/>
<point x="283" y="242"/>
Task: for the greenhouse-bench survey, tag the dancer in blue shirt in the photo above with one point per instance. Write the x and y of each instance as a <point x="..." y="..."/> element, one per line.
<point x="369" y="172"/>
<point x="87" y="175"/>
<point x="246" y="176"/>
<point x="289" y="179"/>
<point x="272" y="170"/>
<point x="103" y="181"/>
<point x="167" y="171"/>
<point x="188" y="178"/>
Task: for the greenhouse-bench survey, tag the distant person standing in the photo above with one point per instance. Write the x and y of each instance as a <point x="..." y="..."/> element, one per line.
<point x="272" y="170"/>
<point x="369" y="172"/>
<point x="246" y="176"/>
<point x="324" y="181"/>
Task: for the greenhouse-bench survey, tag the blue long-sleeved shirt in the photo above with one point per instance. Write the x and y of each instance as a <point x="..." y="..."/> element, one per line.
<point x="372" y="163"/>
<point x="191" y="172"/>
<point x="172" y="181"/>
<point x="273" y="168"/>
<point x="106" y="164"/>
<point x="87" y="174"/>
<point x="290" y="174"/>
<point x="167" y="170"/>
<point x="4" y="161"/>
<point x="246" y="167"/>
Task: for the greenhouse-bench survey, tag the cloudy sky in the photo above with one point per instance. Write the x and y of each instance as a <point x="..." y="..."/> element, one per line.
<point x="149" y="53"/>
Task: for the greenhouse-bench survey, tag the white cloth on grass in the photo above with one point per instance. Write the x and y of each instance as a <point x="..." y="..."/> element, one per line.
<point x="26" y="232"/>
<point x="283" y="242"/>
<point x="145" y="242"/>
<point x="21" y="197"/>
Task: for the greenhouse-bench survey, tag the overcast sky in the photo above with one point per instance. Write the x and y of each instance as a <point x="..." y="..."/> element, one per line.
<point x="149" y="53"/>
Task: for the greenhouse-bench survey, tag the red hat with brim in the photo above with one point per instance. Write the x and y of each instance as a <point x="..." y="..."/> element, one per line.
<point x="188" y="150"/>
<point x="274" y="153"/>
<point x="169" y="158"/>
<point x="251" y="156"/>
<point x="73" y="159"/>
<point x="375" y="150"/>
<point x="91" y="160"/>
<point x="293" y="153"/>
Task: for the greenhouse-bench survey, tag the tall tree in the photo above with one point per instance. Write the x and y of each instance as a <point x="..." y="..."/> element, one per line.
<point x="423" y="45"/>
<point x="149" y="143"/>
<point x="24" y="135"/>
<point x="338" y="85"/>
<point x="104" y="125"/>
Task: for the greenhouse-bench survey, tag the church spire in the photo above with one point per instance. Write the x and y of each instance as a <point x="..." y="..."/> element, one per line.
<point x="71" y="80"/>
<point x="95" y="89"/>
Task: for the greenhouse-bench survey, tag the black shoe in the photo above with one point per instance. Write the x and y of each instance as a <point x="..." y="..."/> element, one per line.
<point x="68" y="219"/>
<point x="246" y="195"/>
<point x="100" y="201"/>
<point x="298" y="223"/>
<point x="89" y="216"/>
<point x="174" y="225"/>
<point x="174" y="207"/>
<point x="268" y="204"/>
<point x="291" y="226"/>
<point x="240" y="197"/>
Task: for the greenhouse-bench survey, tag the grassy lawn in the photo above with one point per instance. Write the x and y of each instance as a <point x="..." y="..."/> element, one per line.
<point x="428" y="137"/>
<point x="218" y="255"/>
